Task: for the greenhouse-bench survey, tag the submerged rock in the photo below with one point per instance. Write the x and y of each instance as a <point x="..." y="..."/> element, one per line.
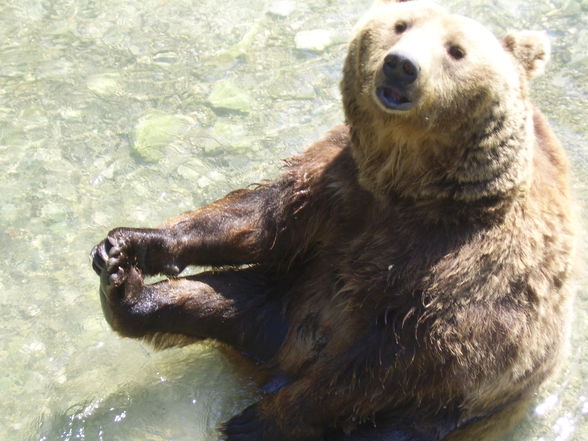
<point x="282" y="8"/>
<point x="156" y="130"/>
<point x="314" y="40"/>
<point x="227" y="95"/>
<point x="104" y="83"/>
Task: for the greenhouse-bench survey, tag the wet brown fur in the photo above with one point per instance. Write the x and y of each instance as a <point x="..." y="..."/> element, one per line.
<point x="396" y="272"/>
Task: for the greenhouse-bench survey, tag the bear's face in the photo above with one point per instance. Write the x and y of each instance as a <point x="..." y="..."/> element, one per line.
<point x="414" y="58"/>
<point x="437" y="106"/>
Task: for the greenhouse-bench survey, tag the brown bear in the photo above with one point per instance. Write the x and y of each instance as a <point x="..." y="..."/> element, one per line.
<point x="406" y="276"/>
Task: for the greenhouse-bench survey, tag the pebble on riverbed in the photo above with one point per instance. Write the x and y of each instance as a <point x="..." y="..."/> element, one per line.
<point x="227" y="95"/>
<point x="156" y="130"/>
<point x="316" y="40"/>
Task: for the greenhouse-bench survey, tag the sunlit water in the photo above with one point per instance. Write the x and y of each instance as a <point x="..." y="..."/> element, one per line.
<point x="127" y="112"/>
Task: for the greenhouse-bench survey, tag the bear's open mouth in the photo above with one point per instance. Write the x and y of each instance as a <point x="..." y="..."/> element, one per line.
<point x="392" y="98"/>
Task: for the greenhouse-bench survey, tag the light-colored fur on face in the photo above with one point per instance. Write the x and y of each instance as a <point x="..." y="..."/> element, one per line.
<point x="469" y="133"/>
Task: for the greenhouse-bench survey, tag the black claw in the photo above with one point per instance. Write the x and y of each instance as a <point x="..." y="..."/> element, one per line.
<point x="93" y="252"/>
<point x="112" y="280"/>
<point x="120" y="273"/>
<point x="97" y="263"/>
<point x="112" y="264"/>
<point x="117" y="278"/>
<point x="99" y="258"/>
<point x="114" y="251"/>
<point x="112" y="245"/>
<point x="102" y="252"/>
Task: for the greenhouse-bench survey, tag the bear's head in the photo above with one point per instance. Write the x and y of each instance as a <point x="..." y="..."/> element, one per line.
<point x="437" y="104"/>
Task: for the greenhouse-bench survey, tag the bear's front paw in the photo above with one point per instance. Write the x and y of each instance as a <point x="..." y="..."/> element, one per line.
<point x="114" y="251"/>
<point x="247" y="426"/>
<point x="145" y="249"/>
<point x="121" y="285"/>
<point x="120" y="280"/>
<point x="252" y="425"/>
<point x="110" y="259"/>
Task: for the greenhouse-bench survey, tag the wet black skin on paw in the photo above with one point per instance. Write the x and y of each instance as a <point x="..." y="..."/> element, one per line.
<point x="120" y="281"/>
<point x="109" y="256"/>
<point x="247" y="426"/>
<point x="141" y="248"/>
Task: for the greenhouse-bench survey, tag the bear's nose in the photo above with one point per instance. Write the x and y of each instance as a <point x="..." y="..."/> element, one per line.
<point x="400" y="68"/>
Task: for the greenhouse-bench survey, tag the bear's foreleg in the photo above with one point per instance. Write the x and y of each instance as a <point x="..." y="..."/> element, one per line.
<point x="237" y="229"/>
<point x="271" y="224"/>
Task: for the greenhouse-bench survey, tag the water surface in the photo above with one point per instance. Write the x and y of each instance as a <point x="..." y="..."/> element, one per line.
<point x="127" y="112"/>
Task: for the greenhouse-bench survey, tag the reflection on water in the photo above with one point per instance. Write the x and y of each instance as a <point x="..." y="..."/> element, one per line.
<point x="125" y="113"/>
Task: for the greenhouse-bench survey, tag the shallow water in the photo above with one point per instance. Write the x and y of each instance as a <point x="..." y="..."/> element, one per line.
<point x="125" y="113"/>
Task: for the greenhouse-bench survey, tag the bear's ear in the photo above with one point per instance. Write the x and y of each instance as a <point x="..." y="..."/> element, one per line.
<point x="531" y="48"/>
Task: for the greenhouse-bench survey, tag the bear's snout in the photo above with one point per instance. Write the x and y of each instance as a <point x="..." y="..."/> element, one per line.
<point x="394" y="87"/>
<point x="400" y="69"/>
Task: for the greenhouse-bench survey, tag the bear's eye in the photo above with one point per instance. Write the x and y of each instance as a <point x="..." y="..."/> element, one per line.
<point x="456" y="52"/>
<point x="400" y="27"/>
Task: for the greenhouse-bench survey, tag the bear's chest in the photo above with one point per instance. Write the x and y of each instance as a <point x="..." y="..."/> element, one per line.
<point x="385" y="254"/>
